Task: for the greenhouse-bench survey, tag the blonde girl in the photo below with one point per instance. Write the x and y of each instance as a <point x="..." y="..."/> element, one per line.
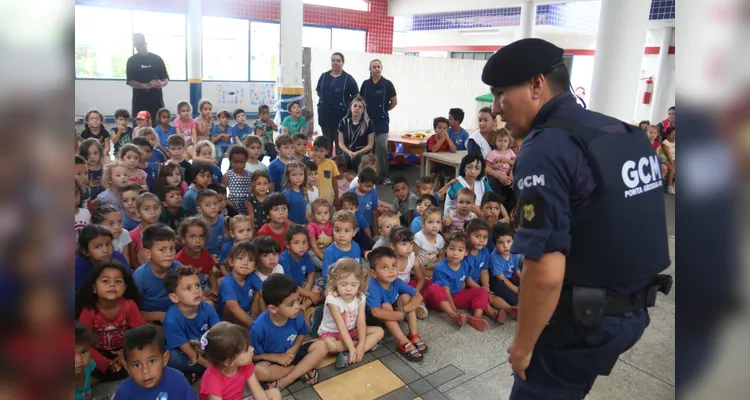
<point x="114" y="178"/>
<point x="204" y="121"/>
<point x="368" y="161"/>
<point x="294" y="183"/>
<point x="92" y="151"/>
<point x="343" y="328"/>
<point x="130" y="155"/>
<point x="227" y="347"/>
<point x="502" y="157"/>
<point x="239" y="228"/>
<point x="184" y="125"/>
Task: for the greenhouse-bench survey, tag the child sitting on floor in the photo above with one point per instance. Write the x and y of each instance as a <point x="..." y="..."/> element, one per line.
<point x="158" y="240"/>
<point x="456" y="219"/>
<point x="298" y="265"/>
<point x="94" y="246"/>
<point x="430" y="244"/>
<point x="238" y="292"/>
<point x="404" y="201"/>
<point x="84" y="365"/>
<point x="277" y="212"/>
<point x="320" y="230"/>
<point x="278" y="335"/>
<point x="193" y="232"/>
<point x="477" y="263"/>
<point x="386" y="222"/>
<point x="504" y="266"/>
<point x="343" y="328"/>
<point x="424" y="202"/>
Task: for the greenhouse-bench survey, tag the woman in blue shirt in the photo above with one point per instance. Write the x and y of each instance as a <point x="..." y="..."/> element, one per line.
<point x="335" y="89"/>
<point x="380" y="97"/>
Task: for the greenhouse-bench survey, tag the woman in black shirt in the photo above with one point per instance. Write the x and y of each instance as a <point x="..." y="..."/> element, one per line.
<point x="356" y="133"/>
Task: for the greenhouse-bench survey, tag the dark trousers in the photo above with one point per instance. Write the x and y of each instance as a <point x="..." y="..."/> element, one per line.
<point x="353" y="163"/>
<point x="503" y="291"/>
<point x="365" y="242"/>
<point x="331" y="131"/>
<point x="271" y="151"/>
<point x="568" y="358"/>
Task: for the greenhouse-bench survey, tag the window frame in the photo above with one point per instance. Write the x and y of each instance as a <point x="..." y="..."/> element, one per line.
<point x="132" y="32"/>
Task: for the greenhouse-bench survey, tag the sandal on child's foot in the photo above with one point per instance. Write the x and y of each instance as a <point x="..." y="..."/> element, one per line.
<point x="311" y="377"/>
<point x="501" y="316"/>
<point x="477" y="323"/>
<point x="513" y="312"/>
<point x="410" y="352"/>
<point x="273" y="384"/>
<point x="417" y="341"/>
<point x="422" y="311"/>
<point x="377" y="345"/>
<point x="342" y="360"/>
<point x="460" y="320"/>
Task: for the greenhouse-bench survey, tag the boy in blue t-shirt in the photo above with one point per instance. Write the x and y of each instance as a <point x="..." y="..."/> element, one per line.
<point x="343" y="225"/>
<point x="457" y="134"/>
<point x="477" y="261"/>
<point x="84" y="365"/>
<point x="158" y="240"/>
<point x="278" y="335"/>
<point x="202" y="175"/>
<point x="367" y="196"/>
<point x="285" y="150"/>
<point x="504" y="266"/>
<point x="146" y="361"/>
<point x="240" y="130"/>
<point x="391" y="300"/>
<point x="150" y="168"/>
<point x="237" y="294"/>
<point x="208" y="207"/>
<point x="156" y="156"/>
<point x="186" y="320"/>
<point x="220" y="135"/>
<point x="363" y="235"/>
<point x="298" y="265"/>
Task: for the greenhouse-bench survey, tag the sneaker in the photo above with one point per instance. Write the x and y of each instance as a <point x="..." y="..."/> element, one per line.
<point x="421" y="311"/>
<point x="386" y="182"/>
<point x="670" y="189"/>
<point x="342" y="360"/>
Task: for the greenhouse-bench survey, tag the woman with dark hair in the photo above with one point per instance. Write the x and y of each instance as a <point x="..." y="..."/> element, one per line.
<point x="335" y="89"/>
<point x="470" y="175"/>
<point x="380" y="97"/>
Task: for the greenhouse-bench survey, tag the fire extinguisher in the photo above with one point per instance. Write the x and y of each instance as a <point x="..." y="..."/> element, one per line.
<point x="649" y="90"/>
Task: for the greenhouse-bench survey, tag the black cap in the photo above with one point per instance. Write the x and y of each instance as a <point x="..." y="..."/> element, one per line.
<point x="521" y="61"/>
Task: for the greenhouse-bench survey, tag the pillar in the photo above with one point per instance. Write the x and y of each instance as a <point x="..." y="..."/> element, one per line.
<point x="658" y="109"/>
<point x="290" y="86"/>
<point x="619" y="54"/>
<point x="194" y="38"/>
<point x="528" y="19"/>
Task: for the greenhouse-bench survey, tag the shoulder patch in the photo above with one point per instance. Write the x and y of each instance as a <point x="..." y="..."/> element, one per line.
<point x="531" y="211"/>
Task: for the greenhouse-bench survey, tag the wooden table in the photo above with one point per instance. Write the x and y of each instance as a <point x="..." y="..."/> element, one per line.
<point x="450" y="159"/>
<point x="411" y="145"/>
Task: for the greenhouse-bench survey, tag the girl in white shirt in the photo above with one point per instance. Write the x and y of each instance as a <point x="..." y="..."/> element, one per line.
<point x="430" y="244"/>
<point x="343" y="327"/>
<point x="410" y="271"/>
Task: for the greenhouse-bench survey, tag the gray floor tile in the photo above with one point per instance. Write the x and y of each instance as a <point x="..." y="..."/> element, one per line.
<point x="400" y="368"/>
<point x="297" y="386"/>
<point x="382" y="351"/>
<point x="627" y="383"/>
<point x="331" y="371"/>
<point x="444" y="375"/>
<point x="402" y="393"/>
<point x="421" y="386"/>
<point x="654" y="352"/>
<point x="494" y="384"/>
<point x="288" y="397"/>
<point x="433" y="395"/>
<point x="307" y="394"/>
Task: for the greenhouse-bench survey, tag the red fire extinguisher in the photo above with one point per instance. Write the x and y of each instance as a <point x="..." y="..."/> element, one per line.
<point x="649" y="90"/>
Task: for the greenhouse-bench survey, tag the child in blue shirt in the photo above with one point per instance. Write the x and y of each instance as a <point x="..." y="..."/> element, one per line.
<point x="156" y="156"/>
<point x="164" y="129"/>
<point x="150" y="168"/>
<point x="83" y="363"/>
<point x="390" y="300"/>
<point x="240" y="131"/>
<point x="220" y="135"/>
<point x="504" y="266"/>
<point x="186" y="320"/>
<point x="477" y="264"/>
<point x="424" y="202"/>
<point x="299" y="141"/>
<point x="363" y="235"/>
<point x="278" y="335"/>
<point x="238" y="300"/>
<point x="146" y="361"/>
<point x="367" y="196"/>
<point x="450" y="273"/>
<point x="298" y="265"/>
<point x="456" y="134"/>
<point x="285" y="150"/>
<point x="202" y="175"/>
<point x="207" y="201"/>
<point x="159" y="240"/>
<point x="343" y="226"/>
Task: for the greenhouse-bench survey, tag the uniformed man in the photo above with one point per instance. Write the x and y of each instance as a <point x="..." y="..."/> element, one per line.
<point x="591" y="226"/>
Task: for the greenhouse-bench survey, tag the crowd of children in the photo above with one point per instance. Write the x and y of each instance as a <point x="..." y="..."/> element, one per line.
<point x="185" y="273"/>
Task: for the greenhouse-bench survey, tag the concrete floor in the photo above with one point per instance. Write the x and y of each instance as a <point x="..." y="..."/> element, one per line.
<point x="463" y="363"/>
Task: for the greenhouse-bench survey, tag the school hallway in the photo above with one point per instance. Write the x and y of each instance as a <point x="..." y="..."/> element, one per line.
<point x="463" y="363"/>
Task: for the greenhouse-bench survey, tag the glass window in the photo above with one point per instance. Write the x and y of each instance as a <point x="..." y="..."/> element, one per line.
<point x="264" y="46"/>
<point x="348" y="39"/>
<point x="225" y="49"/>
<point x="456" y="55"/>
<point x="103" y="42"/>
<point x="467" y="56"/>
<point x="165" y="36"/>
<point x="360" y="5"/>
<point x="316" y="37"/>
<point x="479" y="56"/>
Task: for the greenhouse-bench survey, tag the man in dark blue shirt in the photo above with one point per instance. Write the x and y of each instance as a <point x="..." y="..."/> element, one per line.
<point x="582" y="300"/>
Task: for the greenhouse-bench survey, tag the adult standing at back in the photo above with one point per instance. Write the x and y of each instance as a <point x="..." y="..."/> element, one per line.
<point x="147" y="74"/>
<point x="584" y="187"/>
<point x="380" y="98"/>
<point x="336" y="89"/>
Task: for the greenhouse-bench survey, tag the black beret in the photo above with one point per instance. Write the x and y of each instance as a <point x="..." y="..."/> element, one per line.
<point x="520" y="61"/>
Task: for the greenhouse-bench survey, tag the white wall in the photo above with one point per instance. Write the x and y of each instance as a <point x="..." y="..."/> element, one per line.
<point x="426" y="87"/>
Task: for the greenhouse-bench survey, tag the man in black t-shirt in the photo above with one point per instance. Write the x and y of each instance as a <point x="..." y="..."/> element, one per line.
<point x="146" y="74"/>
